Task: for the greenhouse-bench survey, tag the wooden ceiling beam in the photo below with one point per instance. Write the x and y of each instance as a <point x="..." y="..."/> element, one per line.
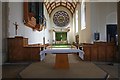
<point x="70" y="5"/>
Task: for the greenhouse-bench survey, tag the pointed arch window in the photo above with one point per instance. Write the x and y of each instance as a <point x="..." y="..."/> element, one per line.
<point x="83" y="15"/>
<point x="76" y="21"/>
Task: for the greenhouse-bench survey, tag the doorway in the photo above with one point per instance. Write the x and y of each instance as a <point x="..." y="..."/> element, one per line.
<point x="112" y="33"/>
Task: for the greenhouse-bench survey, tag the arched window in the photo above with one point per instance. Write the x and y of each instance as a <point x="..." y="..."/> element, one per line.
<point x="83" y="15"/>
<point x="76" y="21"/>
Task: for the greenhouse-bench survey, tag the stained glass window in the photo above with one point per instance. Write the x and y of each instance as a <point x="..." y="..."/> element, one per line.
<point x="61" y="18"/>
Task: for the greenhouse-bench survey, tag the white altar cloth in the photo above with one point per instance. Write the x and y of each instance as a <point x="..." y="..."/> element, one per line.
<point x="64" y="50"/>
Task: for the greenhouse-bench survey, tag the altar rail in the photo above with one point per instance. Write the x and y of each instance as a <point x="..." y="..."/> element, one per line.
<point x="61" y="42"/>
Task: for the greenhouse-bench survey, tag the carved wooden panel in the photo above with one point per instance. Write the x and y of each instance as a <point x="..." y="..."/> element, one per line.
<point x="34" y="15"/>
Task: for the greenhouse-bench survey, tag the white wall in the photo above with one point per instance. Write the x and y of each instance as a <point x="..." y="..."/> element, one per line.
<point x="98" y="14"/>
<point x="16" y="15"/>
<point x="79" y="22"/>
<point x="85" y="34"/>
<point x="102" y="13"/>
<point x="70" y="35"/>
<point x="48" y="26"/>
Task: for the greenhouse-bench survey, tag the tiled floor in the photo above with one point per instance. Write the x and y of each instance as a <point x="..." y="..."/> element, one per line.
<point x="13" y="70"/>
<point x="112" y="70"/>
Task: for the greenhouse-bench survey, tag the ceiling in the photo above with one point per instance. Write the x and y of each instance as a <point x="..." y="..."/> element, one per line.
<point x="52" y="4"/>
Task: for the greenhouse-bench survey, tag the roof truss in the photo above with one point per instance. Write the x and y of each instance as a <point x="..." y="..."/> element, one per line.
<point x="52" y="4"/>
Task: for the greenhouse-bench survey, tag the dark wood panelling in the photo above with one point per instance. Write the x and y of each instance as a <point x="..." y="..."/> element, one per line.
<point x="100" y="51"/>
<point x="87" y="50"/>
<point x="94" y="53"/>
<point x="15" y="48"/>
<point x="110" y="52"/>
<point x="61" y="61"/>
<point x="19" y="50"/>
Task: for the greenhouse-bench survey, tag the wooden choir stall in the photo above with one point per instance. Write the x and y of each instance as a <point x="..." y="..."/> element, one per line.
<point x="19" y="50"/>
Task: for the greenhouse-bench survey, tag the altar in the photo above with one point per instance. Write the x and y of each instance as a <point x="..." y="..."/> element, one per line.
<point x="61" y="61"/>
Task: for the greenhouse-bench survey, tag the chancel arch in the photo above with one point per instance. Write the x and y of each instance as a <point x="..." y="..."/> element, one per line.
<point x="66" y="27"/>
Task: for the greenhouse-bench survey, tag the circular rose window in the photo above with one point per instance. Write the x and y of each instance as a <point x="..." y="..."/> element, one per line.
<point x="61" y="18"/>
